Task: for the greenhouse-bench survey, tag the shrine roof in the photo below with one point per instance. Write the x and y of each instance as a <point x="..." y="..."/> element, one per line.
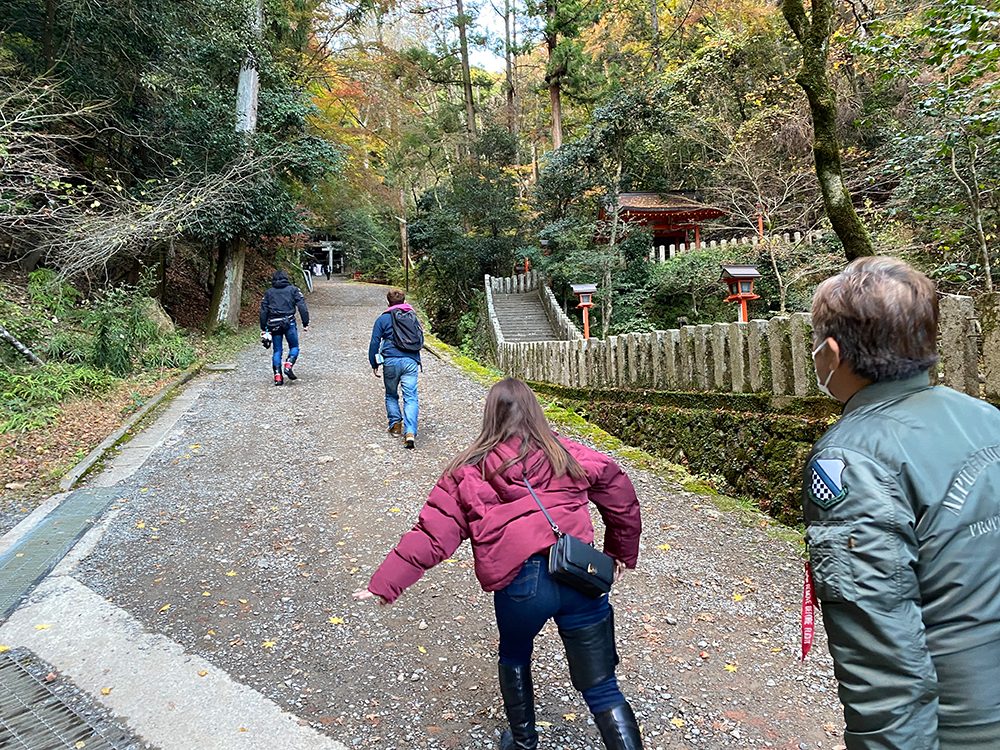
<point x="650" y="202"/>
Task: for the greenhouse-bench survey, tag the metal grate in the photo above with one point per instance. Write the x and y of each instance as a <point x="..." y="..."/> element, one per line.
<point x="32" y="717"/>
<point x="25" y="564"/>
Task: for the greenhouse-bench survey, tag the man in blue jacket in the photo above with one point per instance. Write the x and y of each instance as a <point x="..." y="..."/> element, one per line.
<point x="902" y="504"/>
<point x="399" y="368"/>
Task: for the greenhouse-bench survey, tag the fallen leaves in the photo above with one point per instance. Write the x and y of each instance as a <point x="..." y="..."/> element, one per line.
<point x="569" y="717"/>
<point x="4" y="648"/>
<point x="269" y="644"/>
<point x="202" y="672"/>
<point x="164" y="608"/>
<point x="664" y="547"/>
<point x="677" y="722"/>
<point x="106" y="691"/>
<point x="231" y="573"/>
<point x="731" y="667"/>
<point x="42" y="627"/>
<point x="336" y="620"/>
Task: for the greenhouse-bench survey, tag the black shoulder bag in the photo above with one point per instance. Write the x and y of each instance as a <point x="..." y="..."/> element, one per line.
<point x="574" y="563"/>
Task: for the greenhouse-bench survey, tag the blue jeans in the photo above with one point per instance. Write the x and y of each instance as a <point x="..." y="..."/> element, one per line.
<point x="292" y="334"/>
<point x="526" y="605"/>
<point x="396" y="372"/>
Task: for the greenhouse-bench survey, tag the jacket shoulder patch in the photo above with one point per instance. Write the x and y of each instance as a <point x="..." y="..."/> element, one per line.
<point x="826" y="486"/>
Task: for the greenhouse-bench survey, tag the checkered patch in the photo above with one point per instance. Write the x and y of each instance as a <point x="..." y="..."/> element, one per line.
<point x="826" y="486"/>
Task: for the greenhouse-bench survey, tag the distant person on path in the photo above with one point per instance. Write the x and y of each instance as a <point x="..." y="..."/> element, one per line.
<point x="483" y="495"/>
<point x="397" y="339"/>
<point x="326" y="270"/>
<point x="902" y="503"/>
<point x="277" y="317"/>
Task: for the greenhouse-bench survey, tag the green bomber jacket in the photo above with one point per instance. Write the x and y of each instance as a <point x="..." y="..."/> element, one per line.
<point x="902" y="506"/>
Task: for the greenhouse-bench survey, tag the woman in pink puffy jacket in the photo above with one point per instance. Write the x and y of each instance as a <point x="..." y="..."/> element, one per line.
<point x="482" y="496"/>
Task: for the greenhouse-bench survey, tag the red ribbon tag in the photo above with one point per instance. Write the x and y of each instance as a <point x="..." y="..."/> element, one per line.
<point x="808" y="612"/>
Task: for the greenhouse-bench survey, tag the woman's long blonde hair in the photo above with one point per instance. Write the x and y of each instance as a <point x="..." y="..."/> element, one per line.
<point x="512" y="411"/>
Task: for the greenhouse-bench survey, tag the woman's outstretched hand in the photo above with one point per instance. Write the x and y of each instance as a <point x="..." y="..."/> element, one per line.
<point x="619" y="570"/>
<point x="366" y="594"/>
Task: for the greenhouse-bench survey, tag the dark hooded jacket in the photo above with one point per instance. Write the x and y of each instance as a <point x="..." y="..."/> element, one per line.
<point x="282" y="299"/>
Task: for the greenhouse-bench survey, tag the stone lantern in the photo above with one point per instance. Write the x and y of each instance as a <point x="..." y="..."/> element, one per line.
<point x="586" y="294"/>
<point x="739" y="279"/>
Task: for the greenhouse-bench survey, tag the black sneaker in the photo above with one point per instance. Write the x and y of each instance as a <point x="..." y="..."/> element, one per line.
<point x="409" y="441"/>
<point x="278" y="380"/>
<point x="288" y="372"/>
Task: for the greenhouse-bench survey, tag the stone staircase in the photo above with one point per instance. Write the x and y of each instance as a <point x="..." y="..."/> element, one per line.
<point x="522" y="318"/>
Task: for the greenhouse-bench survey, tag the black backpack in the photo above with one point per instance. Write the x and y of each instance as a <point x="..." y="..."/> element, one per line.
<point x="407" y="333"/>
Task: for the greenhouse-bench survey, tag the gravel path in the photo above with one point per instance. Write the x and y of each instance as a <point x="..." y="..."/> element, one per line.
<point x="271" y="505"/>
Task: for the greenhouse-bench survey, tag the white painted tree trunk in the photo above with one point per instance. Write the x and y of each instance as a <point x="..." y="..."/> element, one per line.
<point x="228" y="288"/>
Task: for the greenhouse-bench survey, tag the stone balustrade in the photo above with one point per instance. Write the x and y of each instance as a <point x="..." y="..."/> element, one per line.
<point x="761" y="356"/>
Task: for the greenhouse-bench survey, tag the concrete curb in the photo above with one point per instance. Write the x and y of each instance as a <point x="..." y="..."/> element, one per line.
<point x="74" y="474"/>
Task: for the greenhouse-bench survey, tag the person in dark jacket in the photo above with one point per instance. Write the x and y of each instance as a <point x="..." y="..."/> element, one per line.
<point x="399" y="370"/>
<point x="902" y="503"/>
<point x="277" y="317"/>
<point x="483" y="496"/>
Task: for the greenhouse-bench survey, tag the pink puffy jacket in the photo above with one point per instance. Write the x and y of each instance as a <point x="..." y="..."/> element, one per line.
<point x="504" y="522"/>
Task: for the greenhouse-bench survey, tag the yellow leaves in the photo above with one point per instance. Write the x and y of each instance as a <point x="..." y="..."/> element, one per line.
<point x="164" y="608"/>
<point x="243" y="729"/>
<point x="205" y="593"/>
<point x="242" y="601"/>
<point x="569" y="717"/>
<point x="677" y="721"/>
<point x="202" y="672"/>
<point x="395" y="510"/>
<point x="223" y="602"/>
<point x="80" y="745"/>
<point x="140" y="525"/>
<point x="336" y="620"/>
<point x="231" y="573"/>
<point x="4" y="648"/>
<point x="664" y="547"/>
<point x="42" y="627"/>
<point x="106" y="691"/>
<point x="421" y="649"/>
<point x="737" y="597"/>
<point x="731" y="667"/>
<point x="269" y="644"/>
<point x="450" y="559"/>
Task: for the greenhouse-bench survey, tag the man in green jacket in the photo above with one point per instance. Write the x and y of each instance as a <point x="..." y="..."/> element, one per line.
<point x="902" y="503"/>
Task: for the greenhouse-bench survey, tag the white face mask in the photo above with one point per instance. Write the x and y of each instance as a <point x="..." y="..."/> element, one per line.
<point x="823" y="384"/>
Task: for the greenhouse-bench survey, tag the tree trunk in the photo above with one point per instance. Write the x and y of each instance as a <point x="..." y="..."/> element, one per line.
<point x="553" y="76"/>
<point x="814" y="36"/>
<point x="48" y="51"/>
<point x="654" y="19"/>
<point x="12" y="340"/>
<point x="975" y="196"/>
<point x="607" y="298"/>
<point x="470" y="104"/>
<point x="227" y="288"/>
<point x="511" y="117"/>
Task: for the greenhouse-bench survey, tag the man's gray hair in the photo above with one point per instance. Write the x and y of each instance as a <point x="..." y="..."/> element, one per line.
<point x="884" y="316"/>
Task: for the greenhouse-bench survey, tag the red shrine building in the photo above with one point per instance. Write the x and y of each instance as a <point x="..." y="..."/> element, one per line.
<point x="672" y="218"/>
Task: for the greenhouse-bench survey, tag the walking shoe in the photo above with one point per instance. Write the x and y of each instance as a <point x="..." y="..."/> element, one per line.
<point x="409" y="440"/>
<point x="278" y="380"/>
<point x="288" y="372"/>
<point x="396" y="430"/>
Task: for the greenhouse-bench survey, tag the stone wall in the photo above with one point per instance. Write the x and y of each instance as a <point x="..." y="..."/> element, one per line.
<point x="525" y="284"/>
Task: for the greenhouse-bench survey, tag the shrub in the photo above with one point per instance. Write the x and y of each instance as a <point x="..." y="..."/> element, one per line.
<point x="49" y="291"/>
<point x="121" y="329"/>
<point x="169" y="351"/>
<point x="30" y="396"/>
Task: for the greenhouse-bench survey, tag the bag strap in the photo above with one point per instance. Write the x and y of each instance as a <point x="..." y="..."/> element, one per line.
<point x="547" y="516"/>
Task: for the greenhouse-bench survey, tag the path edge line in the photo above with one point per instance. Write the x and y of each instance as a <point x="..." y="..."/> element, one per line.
<point x="73" y="475"/>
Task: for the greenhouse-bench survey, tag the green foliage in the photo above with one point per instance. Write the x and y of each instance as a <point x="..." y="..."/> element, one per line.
<point x="47" y="289"/>
<point x="169" y="352"/>
<point x="69" y="346"/>
<point x="121" y="329"/>
<point x="30" y="396"/>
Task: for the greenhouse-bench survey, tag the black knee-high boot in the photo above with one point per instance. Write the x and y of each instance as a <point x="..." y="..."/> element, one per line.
<point x="519" y="704"/>
<point x="619" y="728"/>
<point x="592" y="658"/>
